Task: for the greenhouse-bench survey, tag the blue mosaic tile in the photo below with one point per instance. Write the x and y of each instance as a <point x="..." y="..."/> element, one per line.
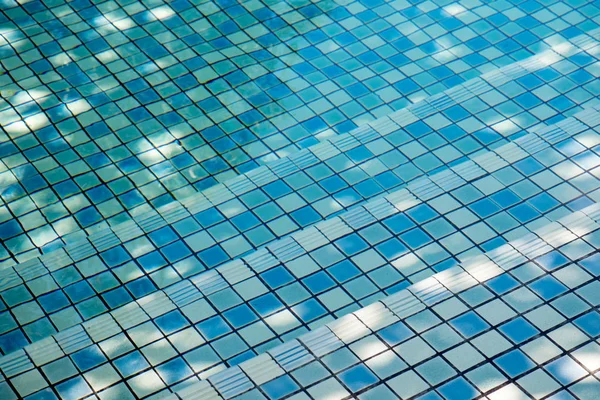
<point x="330" y="199"/>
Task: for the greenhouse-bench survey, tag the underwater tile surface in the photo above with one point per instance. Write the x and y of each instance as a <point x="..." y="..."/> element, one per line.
<point x="301" y="199"/>
<point x="113" y="106"/>
<point x="87" y="281"/>
<point x="267" y="316"/>
<point x="520" y="321"/>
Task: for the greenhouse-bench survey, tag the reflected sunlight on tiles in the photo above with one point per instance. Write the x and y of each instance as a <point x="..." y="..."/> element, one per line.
<point x="299" y="200"/>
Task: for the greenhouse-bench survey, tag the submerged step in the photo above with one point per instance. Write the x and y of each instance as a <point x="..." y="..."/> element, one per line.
<point x="201" y="332"/>
<point x="339" y="174"/>
<point x="77" y="301"/>
<point x="487" y="327"/>
<point x="325" y="199"/>
<point x="67" y="308"/>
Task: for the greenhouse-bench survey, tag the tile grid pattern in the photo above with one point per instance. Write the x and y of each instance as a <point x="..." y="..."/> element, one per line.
<point x="43" y="286"/>
<point x="369" y="137"/>
<point x="110" y="167"/>
<point x="119" y="118"/>
<point x="201" y="312"/>
<point x="37" y="271"/>
<point x="519" y="321"/>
